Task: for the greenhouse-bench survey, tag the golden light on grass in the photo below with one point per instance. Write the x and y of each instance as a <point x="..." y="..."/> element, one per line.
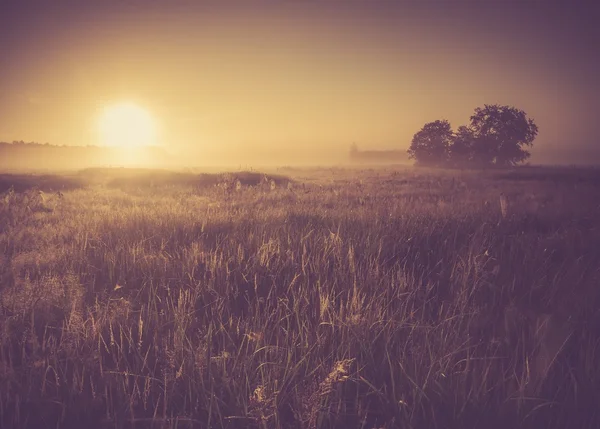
<point x="126" y="125"/>
<point x="312" y="311"/>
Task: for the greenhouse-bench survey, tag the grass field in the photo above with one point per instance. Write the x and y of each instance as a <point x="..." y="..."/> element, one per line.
<point x="314" y="299"/>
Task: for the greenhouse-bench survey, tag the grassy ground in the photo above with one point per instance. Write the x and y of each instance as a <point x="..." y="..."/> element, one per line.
<point x="350" y="299"/>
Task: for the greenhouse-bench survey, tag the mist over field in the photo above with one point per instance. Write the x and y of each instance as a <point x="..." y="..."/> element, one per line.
<point x="299" y="215"/>
<point x="18" y="156"/>
<point x="280" y="83"/>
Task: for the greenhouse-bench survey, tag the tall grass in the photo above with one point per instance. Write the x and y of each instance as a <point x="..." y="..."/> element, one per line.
<point x="371" y="299"/>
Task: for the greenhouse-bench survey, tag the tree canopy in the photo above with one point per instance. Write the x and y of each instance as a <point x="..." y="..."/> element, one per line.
<point x="496" y="136"/>
<point x="430" y="146"/>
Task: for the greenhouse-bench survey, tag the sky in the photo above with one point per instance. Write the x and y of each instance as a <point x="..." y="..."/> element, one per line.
<point x="299" y="80"/>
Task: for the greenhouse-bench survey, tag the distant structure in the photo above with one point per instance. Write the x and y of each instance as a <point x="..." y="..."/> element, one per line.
<point x="377" y="156"/>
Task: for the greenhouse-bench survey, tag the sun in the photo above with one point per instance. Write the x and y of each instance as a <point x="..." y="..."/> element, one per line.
<point x="126" y="125"/>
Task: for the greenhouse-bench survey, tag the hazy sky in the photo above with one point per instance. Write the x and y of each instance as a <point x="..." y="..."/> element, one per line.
<point x="292" y="78"/>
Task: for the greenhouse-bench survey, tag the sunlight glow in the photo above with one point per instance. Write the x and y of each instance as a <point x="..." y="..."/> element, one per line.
<point x="126" y="125"/>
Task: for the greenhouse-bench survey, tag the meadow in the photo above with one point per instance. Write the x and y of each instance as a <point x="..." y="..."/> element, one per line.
<point x="323" y="298"/>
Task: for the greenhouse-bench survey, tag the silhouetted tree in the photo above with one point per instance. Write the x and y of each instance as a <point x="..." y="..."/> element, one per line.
<point x="430" y="146"/>
<point x="497" y="135"/>
<point x="462" y="147"/>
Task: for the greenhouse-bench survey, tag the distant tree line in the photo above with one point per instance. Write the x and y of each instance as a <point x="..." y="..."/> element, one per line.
<point x="20" y="155"/>
<point x="495" y="137"/>
<point x="32" y="144"/>
<point x="23" y="143"/>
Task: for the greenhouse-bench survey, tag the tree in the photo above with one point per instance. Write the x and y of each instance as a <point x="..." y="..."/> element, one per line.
<point x="462" y="147"/>
<point x="498" y="135"/>
<point x="430" y="146"/>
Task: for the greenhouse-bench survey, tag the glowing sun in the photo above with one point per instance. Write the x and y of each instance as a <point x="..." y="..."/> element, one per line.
<point x="126" y="125"/>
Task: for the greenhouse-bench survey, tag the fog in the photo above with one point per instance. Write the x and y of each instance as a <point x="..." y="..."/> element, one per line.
<point x="296" y="83"/>
<point x="32" y="157"/>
